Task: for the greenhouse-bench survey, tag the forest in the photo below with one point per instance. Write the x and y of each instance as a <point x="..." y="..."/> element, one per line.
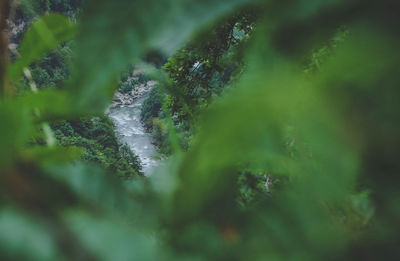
<point x="196" y="130"/>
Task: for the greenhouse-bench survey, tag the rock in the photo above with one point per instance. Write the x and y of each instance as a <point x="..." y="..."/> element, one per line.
<point x="122" y="99"/>
<point x="150" y="84"/>
<point x="137" y="72"/>
<point x="128" y="98"/>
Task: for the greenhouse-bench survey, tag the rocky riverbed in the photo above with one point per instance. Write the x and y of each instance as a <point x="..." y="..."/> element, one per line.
<point x="130" y="97"/>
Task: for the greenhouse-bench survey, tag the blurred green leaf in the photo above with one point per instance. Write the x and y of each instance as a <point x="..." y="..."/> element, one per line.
<point x="116" y="33"/>
<point x="112" y="239"/>
<point x="52" y="104"/>
<point x="44" y="35"/>
<point x="15" y="131"/>
<point x="22" y="238"/>
<point x="93" y="184"/>
<point x="249" y="128"/>
<point x="52" y="155"/>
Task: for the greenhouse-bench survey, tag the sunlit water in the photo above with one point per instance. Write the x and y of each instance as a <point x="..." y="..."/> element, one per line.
<point x="130" y="130"/>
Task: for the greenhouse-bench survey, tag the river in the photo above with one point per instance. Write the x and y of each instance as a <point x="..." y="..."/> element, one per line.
<point x="130" y="130"/>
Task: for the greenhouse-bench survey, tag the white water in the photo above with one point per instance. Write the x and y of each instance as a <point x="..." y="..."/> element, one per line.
<point x="130" y="130"/>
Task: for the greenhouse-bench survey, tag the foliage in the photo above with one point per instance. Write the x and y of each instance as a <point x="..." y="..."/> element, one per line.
<point x="58" y="27"/>
<point x="100" y="145"/>
<point x="204" y="67"/>
<point x="151" y="107"/>
<point x="319" y="56"/>
<point x="128" y="85"/>
<point x="53" y="68"/>
<point x="333" y="134"/>
<point x="198" y="73"/>
<point x="30" y="9"/>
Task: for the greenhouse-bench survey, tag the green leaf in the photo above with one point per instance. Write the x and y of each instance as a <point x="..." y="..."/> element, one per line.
<point x="53" y="155"/>
<point x="92" y="183"/>
<point x="111" y="238"/>
<point x="52" y="104"/>
<point x="23" y="238"/>
<point x="43" y="36"/>
<point x="15" y="130"/>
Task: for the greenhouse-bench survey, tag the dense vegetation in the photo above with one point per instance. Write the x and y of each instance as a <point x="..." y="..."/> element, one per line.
<point x="197" y="74"/>
<point x="30" y="9"/>
<point x="280" y="119"/>
<point x="96" y="136"/>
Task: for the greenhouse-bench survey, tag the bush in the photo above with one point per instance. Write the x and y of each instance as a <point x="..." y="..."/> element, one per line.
<point x="129" y="85"/>
<point x="151" y="106"/>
